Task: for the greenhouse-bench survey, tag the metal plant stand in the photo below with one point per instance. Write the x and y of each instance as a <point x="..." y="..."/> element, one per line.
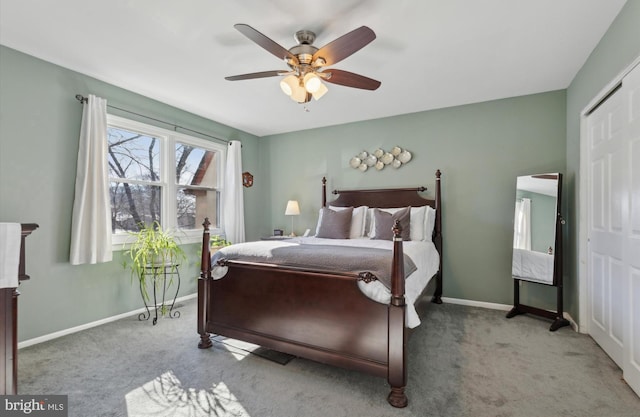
<point x="168" y="274"/>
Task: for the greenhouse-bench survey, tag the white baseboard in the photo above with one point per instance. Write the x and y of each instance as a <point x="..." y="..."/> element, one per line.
<point x="86" y="326"/>
<point x="504" y="307"/>
<point x="572" y="322"/>
<point x="472" y="303"/>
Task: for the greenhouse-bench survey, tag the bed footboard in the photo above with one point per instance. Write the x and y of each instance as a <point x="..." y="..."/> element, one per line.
<point x="316" y="315"/>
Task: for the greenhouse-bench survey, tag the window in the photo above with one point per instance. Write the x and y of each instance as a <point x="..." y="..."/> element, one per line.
<point x="164" y="176"/>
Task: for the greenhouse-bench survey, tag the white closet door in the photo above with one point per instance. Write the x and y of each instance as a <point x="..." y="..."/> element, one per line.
<point x="607" y="182"/>
<point x="613" y="226"/>
<point x="631" y="366"/>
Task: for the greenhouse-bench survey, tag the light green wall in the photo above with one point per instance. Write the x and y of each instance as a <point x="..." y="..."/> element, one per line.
<point x="39" y="130"/>
<point x="615" y="52"/>
<point x="480" y="149"/>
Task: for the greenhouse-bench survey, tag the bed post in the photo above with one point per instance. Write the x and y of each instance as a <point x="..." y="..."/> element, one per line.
<point x="397" y="353"/>
<point x="437" y="239"/>
<point x="324" y="191"/>
<point x="204" y="287"/>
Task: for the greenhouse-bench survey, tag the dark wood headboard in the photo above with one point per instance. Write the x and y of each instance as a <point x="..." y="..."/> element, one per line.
<point x="390" y="198"/>
<point x="383" y="198"/>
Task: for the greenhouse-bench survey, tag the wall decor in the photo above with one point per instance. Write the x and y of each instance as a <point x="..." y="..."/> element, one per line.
<point x="247" y="179"/>
<point x="396" y="157"/>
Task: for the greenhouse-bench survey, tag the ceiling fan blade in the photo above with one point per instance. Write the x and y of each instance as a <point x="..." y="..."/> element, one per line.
<point x="349" y="79"/>
<point x="345" y="45"/>
<point x="264" y="41"/>
<point x="262" y="74"/>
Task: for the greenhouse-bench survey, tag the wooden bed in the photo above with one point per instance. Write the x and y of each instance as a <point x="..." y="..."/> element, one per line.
<point x="318" y="315"/>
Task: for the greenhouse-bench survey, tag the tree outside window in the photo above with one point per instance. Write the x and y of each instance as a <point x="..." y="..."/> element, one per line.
<point x="143" y="191"/>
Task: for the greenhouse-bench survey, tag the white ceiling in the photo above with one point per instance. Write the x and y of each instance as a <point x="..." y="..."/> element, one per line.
<point x="428" y="53"/>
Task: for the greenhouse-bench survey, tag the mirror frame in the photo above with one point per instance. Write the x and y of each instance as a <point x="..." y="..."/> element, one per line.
<point x="558" y="315"/>
<point x="556" y="240"/>
<point x="558" y="253"/>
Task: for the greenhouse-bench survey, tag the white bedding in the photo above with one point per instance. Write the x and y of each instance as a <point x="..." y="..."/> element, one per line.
<point x="423" y="253"/>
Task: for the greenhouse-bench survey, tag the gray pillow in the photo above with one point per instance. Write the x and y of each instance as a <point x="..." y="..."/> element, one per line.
<point x="335" y="224"/>
<point x="384" y="223"/>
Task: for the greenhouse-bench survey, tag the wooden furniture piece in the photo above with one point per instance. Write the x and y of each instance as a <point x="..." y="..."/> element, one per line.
<point x="319" y="315"/>
<point x="556" y="280"/>
<point x="9" y="324"/>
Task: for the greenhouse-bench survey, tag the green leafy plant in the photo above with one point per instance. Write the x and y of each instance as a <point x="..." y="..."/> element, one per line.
<point x="215" y="242"/>
<point x="218" y="241"/>
<point x="149" y="251"/>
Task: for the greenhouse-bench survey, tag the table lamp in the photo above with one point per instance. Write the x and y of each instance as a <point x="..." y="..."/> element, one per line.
<point x="293" y="209"/>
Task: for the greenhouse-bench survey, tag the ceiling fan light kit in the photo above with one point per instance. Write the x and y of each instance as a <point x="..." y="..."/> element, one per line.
<point x="304" y="78"/>
<point x="302" y="89"/>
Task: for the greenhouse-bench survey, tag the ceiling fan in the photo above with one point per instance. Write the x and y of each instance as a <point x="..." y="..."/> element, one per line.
<point x="307" y="63"/>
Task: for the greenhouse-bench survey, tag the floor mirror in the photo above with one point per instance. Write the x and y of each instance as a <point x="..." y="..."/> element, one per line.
<point x="537" y="242"/>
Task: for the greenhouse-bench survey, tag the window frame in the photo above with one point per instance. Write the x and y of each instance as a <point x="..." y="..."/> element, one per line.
<point x="168" y="183"/>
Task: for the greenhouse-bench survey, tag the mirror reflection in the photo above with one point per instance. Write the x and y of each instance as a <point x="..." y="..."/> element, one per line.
<point x="534" y="234"/>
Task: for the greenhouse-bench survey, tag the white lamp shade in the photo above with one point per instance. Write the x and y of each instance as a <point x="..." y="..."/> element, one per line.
<point x="299" y="94"/>
<point x="289" y="84"/>
<point x="312" y="82"/>
<point x="322" y="90"/>
<point x="293" y="209"/>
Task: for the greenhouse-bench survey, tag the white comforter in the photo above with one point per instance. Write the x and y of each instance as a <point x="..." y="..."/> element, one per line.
<point x="424" y="255"/>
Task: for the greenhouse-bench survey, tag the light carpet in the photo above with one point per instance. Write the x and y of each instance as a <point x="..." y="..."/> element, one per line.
<point x="463" y="361"/>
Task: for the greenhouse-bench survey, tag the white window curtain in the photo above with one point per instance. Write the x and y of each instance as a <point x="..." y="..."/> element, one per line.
<point x="232" y="195"/>
<point x="522" y="225"/>
<point x="91" y="222"/>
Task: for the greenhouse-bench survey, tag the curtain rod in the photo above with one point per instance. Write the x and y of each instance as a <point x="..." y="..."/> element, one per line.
<point x="83" y="100"/>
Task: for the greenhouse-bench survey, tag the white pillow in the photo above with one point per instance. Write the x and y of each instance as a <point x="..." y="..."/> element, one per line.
<point x="430" y="222"/>
<point x="417" y="225"/>
<point x="357" y="220"/>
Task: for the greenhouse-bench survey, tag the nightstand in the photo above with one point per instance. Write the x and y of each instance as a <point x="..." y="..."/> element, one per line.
<point x="275" y="237"/>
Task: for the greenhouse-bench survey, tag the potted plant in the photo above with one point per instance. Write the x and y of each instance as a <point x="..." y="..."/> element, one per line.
<point x="218" y="242"/>
<point x="153" y="253"/>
